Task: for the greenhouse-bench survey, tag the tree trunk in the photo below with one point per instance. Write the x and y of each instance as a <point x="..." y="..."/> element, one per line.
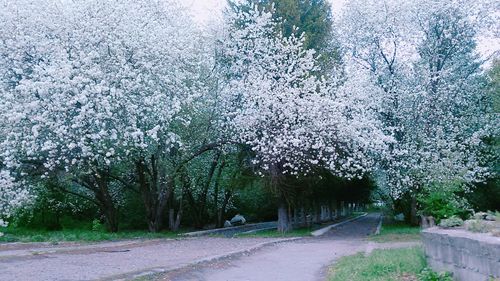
<point x="331" y="210"/>
<point x="303" y="216"/>
<point x="111" y="217"/>
<point x="284" y="223"/>
<point x="340" y="209"/>
<point x="155" y="189"/>
<point x="155" y="221"/>
<point x="216" y="192"/>
<point x="178" y="218"/>
<point x="108" y="210"/>
<point x="317" y="213"/>
<point x="171" y="218"/>
<point x="413" y="210"/>
<point x="199" y="203"/>
<point x="175" y="220"/>
<point x="220" y="216"/>
<point x="222" y="211"/>
<point x="98" y="183"/>
<point x="296" y="217"/>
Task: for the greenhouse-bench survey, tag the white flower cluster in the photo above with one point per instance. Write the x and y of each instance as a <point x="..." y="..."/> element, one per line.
<point x="89" y="82"/>
<point x="12" y="196"/>
<point x="291" y="118"/>
<point x="422" y="56"/>
<point x="85" y="84"/>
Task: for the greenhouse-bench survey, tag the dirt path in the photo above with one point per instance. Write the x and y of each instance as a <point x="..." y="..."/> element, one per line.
<point x="304" y="259"/>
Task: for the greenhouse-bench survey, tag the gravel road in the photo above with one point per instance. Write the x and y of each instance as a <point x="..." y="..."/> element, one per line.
<point x="115" y="260"/>
<point x="280" y="259"/>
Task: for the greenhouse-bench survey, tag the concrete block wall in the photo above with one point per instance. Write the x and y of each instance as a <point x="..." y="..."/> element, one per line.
<point x="469" y="256"/>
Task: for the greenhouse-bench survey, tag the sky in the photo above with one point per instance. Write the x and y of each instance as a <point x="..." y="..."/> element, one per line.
<point x="206" y="10"/>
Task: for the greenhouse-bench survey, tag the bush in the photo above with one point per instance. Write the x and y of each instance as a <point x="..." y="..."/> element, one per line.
<point x="451" y="222"/>
<point x="53" y="209"/>
<point x="429" y="275"/>
<point x="98" y="226"/>
<point x="444" y="201"/>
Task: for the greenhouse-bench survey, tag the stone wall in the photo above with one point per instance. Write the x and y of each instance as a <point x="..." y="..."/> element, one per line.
<point x="469" y="256"/>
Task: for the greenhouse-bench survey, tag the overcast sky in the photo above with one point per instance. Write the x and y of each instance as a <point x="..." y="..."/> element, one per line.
<point x="205" y="10"/>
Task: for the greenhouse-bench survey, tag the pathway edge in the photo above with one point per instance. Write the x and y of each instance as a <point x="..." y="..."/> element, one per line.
<point x="325" y="229"/>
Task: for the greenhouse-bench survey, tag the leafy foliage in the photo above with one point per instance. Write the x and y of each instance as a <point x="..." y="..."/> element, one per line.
<point x="444" y="201"/>
<point x="429" y="275"/>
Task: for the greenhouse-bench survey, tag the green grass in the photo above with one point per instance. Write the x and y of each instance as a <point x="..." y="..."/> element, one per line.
<point x="380" y="265"/>
<point x="28" y="235"/>
<point x="397" y="233"/>
<point x="272" y="233"/>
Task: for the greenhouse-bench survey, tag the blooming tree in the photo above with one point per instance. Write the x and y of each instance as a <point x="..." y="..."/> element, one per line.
<point x="291" y="119"/>
<point x="424" y="60"/>
<point x="88" y="84"/>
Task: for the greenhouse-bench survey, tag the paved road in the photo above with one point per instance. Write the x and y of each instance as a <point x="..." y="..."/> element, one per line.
<point x="301" y="260"/>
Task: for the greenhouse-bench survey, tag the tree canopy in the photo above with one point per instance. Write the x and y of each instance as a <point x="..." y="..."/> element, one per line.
<point x="133" y="104"/>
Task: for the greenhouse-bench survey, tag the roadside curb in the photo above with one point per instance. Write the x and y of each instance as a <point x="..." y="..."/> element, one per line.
<point x="325" y="229"/>
<point x="256" y="230"/>
<point x="217" y="230"/>
<point x="202" y="261"/>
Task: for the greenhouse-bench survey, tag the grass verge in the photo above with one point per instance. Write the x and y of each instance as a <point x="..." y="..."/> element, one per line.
<point x="381" y="265"/>
<point x="28" y="235"/>
<point x="397" y="232"/>
<point x="405" y="264"/>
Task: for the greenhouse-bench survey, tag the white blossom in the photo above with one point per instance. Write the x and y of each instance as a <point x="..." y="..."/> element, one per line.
<point x="91" y="82"/>
<point x="289" y="117"/>
<point x="13" y="195"/>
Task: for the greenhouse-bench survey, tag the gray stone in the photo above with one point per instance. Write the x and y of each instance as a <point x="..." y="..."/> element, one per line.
<point x="238" y="220"/>
<point x="432" y="222"/>
<point x="490" y="218"/>
<point x="480" y="215"/>
<point x="399" y="217"/>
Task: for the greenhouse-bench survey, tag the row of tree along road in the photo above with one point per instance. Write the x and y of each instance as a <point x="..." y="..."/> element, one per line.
<point x="133" y="108"/>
